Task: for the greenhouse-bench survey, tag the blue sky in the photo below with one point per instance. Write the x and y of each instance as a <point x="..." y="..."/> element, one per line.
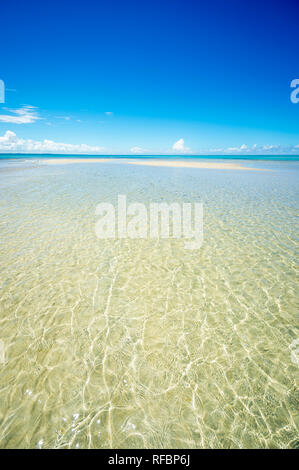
<point x="175" y="76"/>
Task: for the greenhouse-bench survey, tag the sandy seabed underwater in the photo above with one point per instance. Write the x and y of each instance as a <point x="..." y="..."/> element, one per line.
<point x="142" y="343"/>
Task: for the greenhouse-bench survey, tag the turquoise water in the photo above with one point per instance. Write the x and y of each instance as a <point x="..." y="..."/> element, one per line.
<point x="141" y="343"/>
<point x="268" y="158"/>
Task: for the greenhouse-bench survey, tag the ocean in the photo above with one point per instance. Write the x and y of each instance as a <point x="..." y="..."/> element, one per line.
<point x="141" y="343"/>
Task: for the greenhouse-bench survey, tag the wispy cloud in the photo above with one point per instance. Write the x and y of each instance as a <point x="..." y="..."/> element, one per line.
<point x="138" y="150"/>
<point x="267" y="149"/>
<point x="109" y="113"/>
<point x="66" y="118"/>
<point x="24" y="115"/>
<point x="256" y="150"/>
<point x="10" y="143"/>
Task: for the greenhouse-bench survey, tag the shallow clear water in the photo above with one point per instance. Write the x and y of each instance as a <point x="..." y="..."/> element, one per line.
<point x="142" y="343"/>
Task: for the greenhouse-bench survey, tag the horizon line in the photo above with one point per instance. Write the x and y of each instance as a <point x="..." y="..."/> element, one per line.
<point x="85" y="155"/>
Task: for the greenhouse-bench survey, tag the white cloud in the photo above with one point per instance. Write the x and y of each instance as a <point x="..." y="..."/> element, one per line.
<point x="23" y="115"/>
<point x="179" y="146"/>
<point x="10" y="143"/>
<point x="137" y="150"/>
<point x="233" y="149"/>
<point x="253" y="150"/>
<point x="242" y="149"/>
<point x="270" y="147"/>
<point x="109" y="113"/>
